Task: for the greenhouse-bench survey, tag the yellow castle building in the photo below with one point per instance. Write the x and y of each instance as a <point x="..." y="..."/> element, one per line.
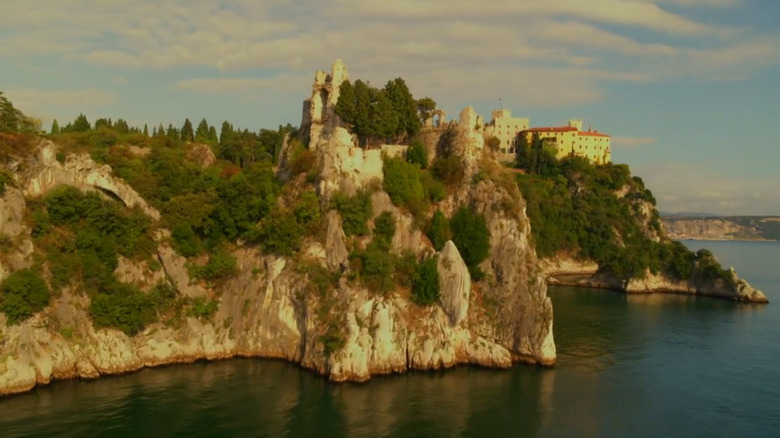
<point x="572" y="140"/>
<point x="505" y="128"/>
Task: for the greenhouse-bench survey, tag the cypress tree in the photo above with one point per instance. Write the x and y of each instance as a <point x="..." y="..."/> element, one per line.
<point x="202" y="133"/>
<point x="187" y="134"/>
<point x="55" y="127"/>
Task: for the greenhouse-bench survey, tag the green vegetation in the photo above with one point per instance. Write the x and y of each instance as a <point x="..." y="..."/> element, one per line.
<point x="417" y="154"/>
<point x="355" y="212"/>
<point x="284" y="228"/>
<point x="450" y="170"/>
<point x="574" y="208"/>
<point x="13" y="121"/>
<point x="202" y="308"/>
<point x="376" y="264"/>
<point x="23" y="293"/>
<point x="81" y="237"/>
<point x="411" y="187"/>
<point x="472" y="237"/>
<point x="426" y="284"/>
<point x="378" y="114"/>
<point x="439" y="230"/>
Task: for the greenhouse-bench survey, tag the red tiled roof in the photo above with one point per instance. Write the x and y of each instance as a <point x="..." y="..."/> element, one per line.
<point x="593" y="133"/>
<point x="552" y="129"/>
<point x="544" y="129"/>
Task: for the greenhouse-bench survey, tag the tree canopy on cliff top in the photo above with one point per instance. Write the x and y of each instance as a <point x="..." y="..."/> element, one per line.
<point x="371" y="113"/>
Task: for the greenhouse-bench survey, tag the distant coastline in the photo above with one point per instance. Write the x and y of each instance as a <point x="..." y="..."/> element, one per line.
<point x="727" y="228"/>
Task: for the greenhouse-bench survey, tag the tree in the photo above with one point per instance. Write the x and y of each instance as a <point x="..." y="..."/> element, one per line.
<point x="13" y="120"/>
<point x="425" y="108"/>
<point x="187" y="133"/>
<point x="202" y="133"/>
<point x="416" y="153"/>
<point x="172" y="132"/>
<point x="146" y="130"/>
<point x="404" y="106"/>
<point x="160" y="130"/>
<point x="439" y="230"/>
<point x="23" y="293"/>
<point x="383" y="119"/>
<point x="426" y="284"/>
<point x="213" y="139"/>
<point x="539" y="157"/>
<point x="472" y="237"/>
<point x="226" y="132"/>
<point x="346" y="107"/>
<point x="55" y="127"/>
<point x="81" y="124"/>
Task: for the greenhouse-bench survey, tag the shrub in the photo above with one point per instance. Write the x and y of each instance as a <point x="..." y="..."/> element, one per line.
<point x="434" y="189"/>
<point x="203" y="308"/>
<point x="221" y="265"/>
<point x="426" y="284"/>
<point x="450" y="170"/>
<point x="282" y="233"/>
<point x="355" y="212"/>
<point x="417" y="154"/>
<point x="472" y="237"/>
<point x="376" y="268"/>
<point x="439" y="230"/>
<point x="402" y="181"/>
<point x="23" y="293"/>
<point x="384" y="230"/>
<point x="122" y="306"/>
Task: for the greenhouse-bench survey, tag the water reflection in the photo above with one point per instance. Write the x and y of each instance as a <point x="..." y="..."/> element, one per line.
<point x="629" y="365"/>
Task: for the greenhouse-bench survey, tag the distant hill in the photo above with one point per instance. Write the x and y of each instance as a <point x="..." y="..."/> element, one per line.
<point x="686" y="214"/>
<point x="722" y="227"/>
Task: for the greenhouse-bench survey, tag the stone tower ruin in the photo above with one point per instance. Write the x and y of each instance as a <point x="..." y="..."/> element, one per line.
<point x="318" y="110"/>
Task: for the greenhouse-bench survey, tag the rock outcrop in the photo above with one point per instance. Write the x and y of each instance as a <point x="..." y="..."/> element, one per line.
<point x="569" y="272"/>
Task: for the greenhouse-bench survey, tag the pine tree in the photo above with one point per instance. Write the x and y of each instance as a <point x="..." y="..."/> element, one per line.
<point x="187" y="133"/>
<point x="81" y="124"/>
<point x="202" y="133"/>
<point x="146" y="130"/>
<point x="213" y="139"/>
<point x="404" y="106"/>
<point x="55" y="127"/>
<point x="160" y="130"/>
<point x="226" y="132"/>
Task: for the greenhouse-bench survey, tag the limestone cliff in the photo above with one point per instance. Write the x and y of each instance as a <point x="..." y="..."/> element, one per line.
<point x="271" y="306"/>
<point x="569" y="269"/>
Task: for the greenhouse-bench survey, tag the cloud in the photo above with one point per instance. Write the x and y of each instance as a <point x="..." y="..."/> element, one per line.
<point x="34" y="98"/>
<point x="243" y="85"/>
<point x="559" y="53"/>
<point x="630" y="142"/>
<point x="58" y="104"/>
<point x="696" y="187"/>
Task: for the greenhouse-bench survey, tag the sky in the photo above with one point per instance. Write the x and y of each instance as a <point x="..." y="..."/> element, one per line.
<point x="689" y="90"/>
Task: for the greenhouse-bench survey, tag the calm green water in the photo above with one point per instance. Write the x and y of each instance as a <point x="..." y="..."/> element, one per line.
<point x="651" y="366"/>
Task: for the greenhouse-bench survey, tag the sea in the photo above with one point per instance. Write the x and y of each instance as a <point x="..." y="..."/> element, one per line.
<point x="628" y="366"/>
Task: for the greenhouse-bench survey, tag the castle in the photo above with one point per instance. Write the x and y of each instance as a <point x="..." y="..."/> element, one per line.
<point x="569" y="140"/>
<point x="510" y="131"/>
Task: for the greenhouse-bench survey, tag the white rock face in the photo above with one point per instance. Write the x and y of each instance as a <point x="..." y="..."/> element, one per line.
<point x="456" y="283"/>
<point x="346" y="167"/>
<point x="83" y="173"/>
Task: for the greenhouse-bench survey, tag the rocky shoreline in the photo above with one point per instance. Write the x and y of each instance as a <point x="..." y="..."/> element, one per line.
<point x="568" y="272"/>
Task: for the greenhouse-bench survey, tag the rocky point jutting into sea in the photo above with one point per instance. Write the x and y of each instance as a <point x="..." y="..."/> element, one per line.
<point x="273" y="308"/>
